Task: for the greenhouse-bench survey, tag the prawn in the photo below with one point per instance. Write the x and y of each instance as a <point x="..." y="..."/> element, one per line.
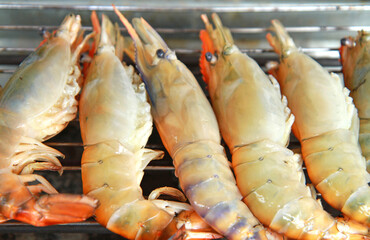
<point x="326" y="124"/>
<point x="189" y="131"/>
<point x="355" y="58"/>
<point x="36" y="103"/>
<point x="115" y="124"/>
<point x="255" y="122"/>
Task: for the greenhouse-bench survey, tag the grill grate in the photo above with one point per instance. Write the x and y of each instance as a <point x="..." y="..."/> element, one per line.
<point x="317" y="27"/>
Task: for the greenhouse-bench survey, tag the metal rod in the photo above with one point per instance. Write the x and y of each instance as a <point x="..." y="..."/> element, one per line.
<point x="199" y="7"/>
<point x="242" y="30"/>
<point x="192" y="51"/>
<point x="148" y="168"/>
<point x="88" y="226"/>
<point x="335" y="69"/>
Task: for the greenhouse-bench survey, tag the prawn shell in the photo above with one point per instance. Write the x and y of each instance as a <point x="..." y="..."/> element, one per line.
<point x="22" y="94"/>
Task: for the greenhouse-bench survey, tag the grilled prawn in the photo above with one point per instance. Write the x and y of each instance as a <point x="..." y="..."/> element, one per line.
<point x="189" y="131"/>
<point x="115" y="126"/>
<point x="255" y="123"/>
<point x="355" y="58"/>
<point x="326" y="124"/>
<point x="37" y="102"/>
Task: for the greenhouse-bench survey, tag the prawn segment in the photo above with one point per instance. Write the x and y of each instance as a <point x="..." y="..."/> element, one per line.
<point x="327" y="127"/>
<point x="189" y="131"/>
<point x="255" y="122"/>
<point x="355" y="59"/>
<point x="115" y="126"/>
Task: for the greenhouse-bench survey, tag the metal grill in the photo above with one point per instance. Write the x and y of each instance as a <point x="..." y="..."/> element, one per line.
<point x="315" y="26"/>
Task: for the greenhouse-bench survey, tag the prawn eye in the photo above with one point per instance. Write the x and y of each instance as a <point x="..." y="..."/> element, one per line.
<point x="344" y="42"/>
<point x="211" y="58"/>
<point x="347" y="42"/>
<point x="208" y="56"/>
<point x="160" y="53"/>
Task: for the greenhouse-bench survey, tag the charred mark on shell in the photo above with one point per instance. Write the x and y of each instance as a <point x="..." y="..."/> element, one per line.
<point x="100" y="161"/>
<point x="331" y="149"/>
<point x="160" y="53"/>
<point x="261" y="158"/>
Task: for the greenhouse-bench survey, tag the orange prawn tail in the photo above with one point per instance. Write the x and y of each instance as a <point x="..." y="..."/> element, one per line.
<point x="23" y="202"/>
<point x="207" y="46"/>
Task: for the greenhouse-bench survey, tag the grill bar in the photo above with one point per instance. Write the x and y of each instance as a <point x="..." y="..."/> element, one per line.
<point x="148" y="168"/>
<point x="89" y="226"/>
<point x="196" y="6"/>
<point x="317" y="52"/>
<point x="302" y="29"/>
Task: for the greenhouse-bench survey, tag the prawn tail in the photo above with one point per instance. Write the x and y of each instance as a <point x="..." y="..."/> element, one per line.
<point x="23" y="202"/>
<point x="282" y="43"/>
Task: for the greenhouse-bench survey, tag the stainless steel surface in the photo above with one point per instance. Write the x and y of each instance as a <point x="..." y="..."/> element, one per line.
<point x="316" y="26"/>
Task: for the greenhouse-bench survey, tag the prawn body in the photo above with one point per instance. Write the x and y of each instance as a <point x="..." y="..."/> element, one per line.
<point x="189" y="131"/>
<point x="255" y="123"/>
<point x="355" y="59"/>
<point x="37" y="102"/>
<point x="115" y="126"/>
<point x="327" y="126"/>
<point x="34" y="113"/>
